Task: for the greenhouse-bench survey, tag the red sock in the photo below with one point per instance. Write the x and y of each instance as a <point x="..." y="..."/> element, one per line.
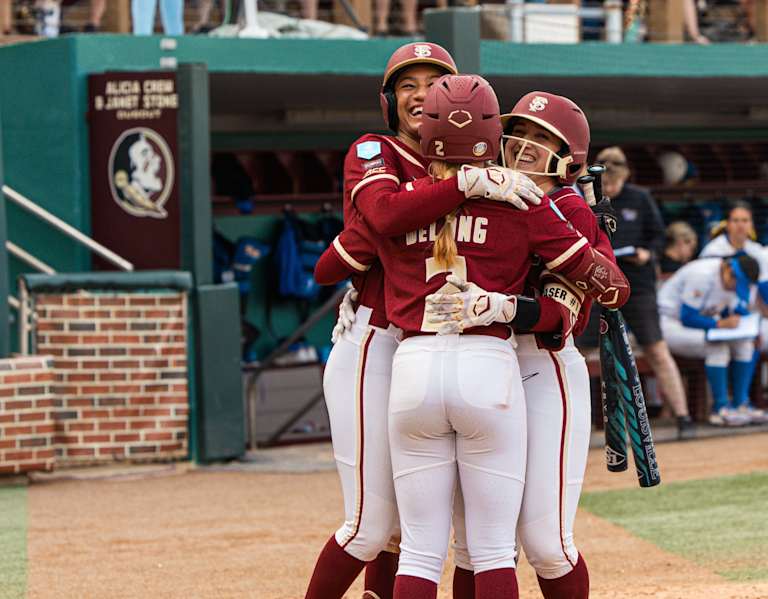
<point x="335" y="571"/>
<point x="574" y="585"/>
<point x="413" y="587"/>
<point x="380" y="574"/>
<point x="463" y="584"/>
<point x="496" y="584"/>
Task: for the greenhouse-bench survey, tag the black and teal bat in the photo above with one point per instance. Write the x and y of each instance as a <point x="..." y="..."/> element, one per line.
<point x="623" y="403"/>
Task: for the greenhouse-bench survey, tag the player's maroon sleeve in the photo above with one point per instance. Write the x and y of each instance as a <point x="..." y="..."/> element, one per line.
<point x="352" y="252"/>
<point x="582" y="217"/>
<point x="566" y="251"/>
<point x="392" y="210"/>
<point x="331" y="268"/>
<point x="379" y="181"/>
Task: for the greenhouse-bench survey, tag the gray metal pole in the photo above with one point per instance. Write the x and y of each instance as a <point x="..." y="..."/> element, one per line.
<point x="516" y="21"/>
<point x="457" y="29"/>
<point x="614" y="26"/>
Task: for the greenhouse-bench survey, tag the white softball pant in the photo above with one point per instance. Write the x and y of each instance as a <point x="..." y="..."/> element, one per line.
<point x="691" y="343"/>
<point x="356" y="386"/>
<point x="557" y="400"/>
<point x="457" y="409"/>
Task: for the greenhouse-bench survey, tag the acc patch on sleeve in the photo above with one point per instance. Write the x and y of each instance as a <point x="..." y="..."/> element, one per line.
<point x="373" y="163"/>
<point x="368" y="149"/>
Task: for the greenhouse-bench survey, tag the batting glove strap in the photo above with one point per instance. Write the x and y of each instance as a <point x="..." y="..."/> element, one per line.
<point x="528" y="313"/>
<point x="563" y="292"/>
<point x="499" y="184"/>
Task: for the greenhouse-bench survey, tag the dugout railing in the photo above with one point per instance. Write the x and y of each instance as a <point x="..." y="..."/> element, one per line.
<point x="21" y="304"/>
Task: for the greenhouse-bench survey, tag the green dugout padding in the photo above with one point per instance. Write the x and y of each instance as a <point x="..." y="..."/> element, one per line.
<point x="219" y="409"/>
<point x="106" y="281"/>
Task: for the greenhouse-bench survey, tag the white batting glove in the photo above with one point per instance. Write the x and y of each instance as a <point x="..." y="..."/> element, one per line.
<point x="500" y="184"/>
<point x="346" y="315"/>
<point x="473" y="306"/>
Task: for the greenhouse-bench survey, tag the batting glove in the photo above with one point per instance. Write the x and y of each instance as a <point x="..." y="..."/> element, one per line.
<point x="606" y="216"/>
<point x="500" y="184"/>
<point x="346" y="315"/>
<point x="473" y="306"/>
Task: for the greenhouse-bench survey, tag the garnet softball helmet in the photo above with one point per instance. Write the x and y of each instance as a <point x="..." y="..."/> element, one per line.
<point x="563" y="118"/>
<point x="460" y="122"/>
<point x="406" y="56"/>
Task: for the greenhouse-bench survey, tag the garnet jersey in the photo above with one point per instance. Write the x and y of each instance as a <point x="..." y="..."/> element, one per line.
<point x="575" y="209"/>
<point x="375" y="170"/>
<point x="495" y="245"/>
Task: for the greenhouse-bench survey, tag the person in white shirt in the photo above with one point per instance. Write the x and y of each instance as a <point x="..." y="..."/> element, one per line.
<point x="709" y="294"/>
<point x="735" y="238"/>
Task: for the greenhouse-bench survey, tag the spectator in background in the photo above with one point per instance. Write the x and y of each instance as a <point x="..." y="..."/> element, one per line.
<point x="97" y="12"/>
<point x="750" y="17"/>
<point x="48" y="17"/>
<point x="410" y="27"/>
<point x="691" y="19"/>
<point x="733" y="236"/>
<point x="203" y="24"/>
<point x="680" y="247"/>
<point x="709" y="294"/>
<point x="6" y="17"/>
<point x="171" y="14"/>
<point x="638" y="241"/>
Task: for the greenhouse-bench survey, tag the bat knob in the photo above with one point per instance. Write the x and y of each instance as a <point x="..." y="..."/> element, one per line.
<point x="596" y="170"/>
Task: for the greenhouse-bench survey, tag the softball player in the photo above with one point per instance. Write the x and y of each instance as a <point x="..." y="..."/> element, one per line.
<point x="735" y="238"/>
<point x="705" y="294"/>
<point x="468" y="408"/>
<point x="547" y="137"/>
<point x="377" y="170"/>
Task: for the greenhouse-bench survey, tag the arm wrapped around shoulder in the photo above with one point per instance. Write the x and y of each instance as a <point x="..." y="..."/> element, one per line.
<point x="600" y="278"/>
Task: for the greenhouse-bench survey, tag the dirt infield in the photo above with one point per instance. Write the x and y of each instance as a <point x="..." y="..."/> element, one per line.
<point x="214" y="534"/>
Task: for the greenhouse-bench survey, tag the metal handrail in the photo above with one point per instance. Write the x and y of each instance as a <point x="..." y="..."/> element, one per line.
<point x="25" y="256"/>
<point x="66" y="228"/>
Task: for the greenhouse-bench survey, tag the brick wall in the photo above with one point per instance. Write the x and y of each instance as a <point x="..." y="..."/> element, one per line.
<point x="120" y="363"/>
<point x="26" y="414"/>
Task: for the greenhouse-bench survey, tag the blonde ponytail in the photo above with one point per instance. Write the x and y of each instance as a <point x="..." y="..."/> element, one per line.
<point x="444" y="250"/>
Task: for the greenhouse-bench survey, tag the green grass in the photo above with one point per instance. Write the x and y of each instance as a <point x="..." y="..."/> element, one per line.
<point x="13" y="542"/>
<point x="720" y="523"/>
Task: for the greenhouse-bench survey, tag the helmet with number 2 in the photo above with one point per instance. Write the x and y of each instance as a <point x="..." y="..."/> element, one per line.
<point x="561" y="117"/>
<point x="460" y="122"/>
<point x="402" y="58"/>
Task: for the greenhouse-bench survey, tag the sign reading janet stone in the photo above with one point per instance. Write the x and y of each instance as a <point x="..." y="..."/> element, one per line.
<point x="134" y="146"/>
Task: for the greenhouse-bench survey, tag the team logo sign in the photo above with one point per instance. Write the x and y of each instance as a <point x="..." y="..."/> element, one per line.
<point x="538" y="104"/>
<point x="422" y="50"/>
<point x="480" y="148"/>
<point x="141" y="172"/>
<point x="460" y="118"/>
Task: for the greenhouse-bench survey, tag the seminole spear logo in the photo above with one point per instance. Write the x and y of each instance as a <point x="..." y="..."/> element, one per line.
<point x="141" y="172"/>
